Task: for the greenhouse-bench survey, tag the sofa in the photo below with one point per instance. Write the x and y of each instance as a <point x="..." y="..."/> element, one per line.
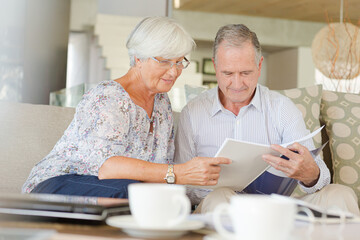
<point x="28" y="132"/>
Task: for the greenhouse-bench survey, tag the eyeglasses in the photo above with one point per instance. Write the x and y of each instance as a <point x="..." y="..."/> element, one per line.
<point x="168" y="64"/>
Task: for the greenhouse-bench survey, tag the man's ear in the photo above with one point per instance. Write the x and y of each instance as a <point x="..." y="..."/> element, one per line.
<point x="260" y="64"/>
<point x="213" y="60"/>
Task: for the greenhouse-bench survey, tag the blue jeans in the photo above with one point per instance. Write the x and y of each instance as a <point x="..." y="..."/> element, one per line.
<point x="84" y="185"/>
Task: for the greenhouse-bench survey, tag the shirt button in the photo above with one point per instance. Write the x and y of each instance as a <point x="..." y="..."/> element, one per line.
<point x="238" y="122"/>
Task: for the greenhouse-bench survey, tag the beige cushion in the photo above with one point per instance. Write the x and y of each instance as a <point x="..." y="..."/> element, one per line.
<point x="341" y="114"/>
<point x="308" y="101"/>
<point x="27" y="133"/>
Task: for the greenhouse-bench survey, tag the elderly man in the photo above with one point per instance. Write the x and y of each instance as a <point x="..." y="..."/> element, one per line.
<point x="241" y="108"/>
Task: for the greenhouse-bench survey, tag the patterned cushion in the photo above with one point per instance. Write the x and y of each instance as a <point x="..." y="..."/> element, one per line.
<point x="341" y="114"/>
<point x="308" y="100"/>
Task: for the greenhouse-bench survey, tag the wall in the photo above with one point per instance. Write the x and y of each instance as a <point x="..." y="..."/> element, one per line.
<point x="282" y="69"/>
<point x="270" y="31"/>
<point x="306" y="68"/>
<point x="141" y="8"/>
<point x="291" y="68"/>
<point x="203" y="50"/>
<point x="33" y="41"/>
<point x="83" y="14"/>
<point x="263" y="76"/>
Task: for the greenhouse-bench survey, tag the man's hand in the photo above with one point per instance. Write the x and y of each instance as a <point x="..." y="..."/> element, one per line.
<point x="200" y="171"/>
<point x="300" y="166"/>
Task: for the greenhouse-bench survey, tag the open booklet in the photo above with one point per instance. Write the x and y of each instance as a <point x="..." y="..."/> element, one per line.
<point x="320" y="215"/>
<point x="249" y="172"/>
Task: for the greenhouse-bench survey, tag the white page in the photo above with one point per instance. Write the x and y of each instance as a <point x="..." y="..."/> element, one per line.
<point x="311" y="135"/>
<point x="247" y="163"/>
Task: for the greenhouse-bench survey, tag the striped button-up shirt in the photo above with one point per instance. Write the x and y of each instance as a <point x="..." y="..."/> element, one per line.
<point x="270" y="118"/>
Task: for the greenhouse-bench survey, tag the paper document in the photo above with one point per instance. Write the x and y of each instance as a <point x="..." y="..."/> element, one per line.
<point x="311" y="135"/>
<point x="247" y="163"/>
<point x="320" y="215"/>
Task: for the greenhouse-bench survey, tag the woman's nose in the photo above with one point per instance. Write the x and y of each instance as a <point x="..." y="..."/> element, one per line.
<point x="173" y="70"/>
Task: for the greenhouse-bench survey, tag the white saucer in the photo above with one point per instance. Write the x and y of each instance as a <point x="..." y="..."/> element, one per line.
<point x="129" y="226"/>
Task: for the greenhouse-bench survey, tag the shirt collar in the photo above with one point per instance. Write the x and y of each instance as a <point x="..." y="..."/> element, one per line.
<point x="217" y="106"/>
<point x="256" y="101"/>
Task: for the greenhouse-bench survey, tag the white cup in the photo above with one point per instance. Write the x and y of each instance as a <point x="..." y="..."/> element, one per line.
<point x="158" y="205"/>
<point x="256" y="217"/>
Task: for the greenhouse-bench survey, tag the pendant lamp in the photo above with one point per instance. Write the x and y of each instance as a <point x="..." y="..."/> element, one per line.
<point x="336" y="50"/>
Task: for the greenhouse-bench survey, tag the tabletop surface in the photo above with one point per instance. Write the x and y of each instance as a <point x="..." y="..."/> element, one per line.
<point x="66" y="231"/>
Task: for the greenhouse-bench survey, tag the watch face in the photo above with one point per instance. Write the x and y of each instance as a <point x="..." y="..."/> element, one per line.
<point x="170" y="179"/>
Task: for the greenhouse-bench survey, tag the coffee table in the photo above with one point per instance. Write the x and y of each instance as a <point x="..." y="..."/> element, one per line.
<point x="66" y="231"/>
<point x="348" y="231"/>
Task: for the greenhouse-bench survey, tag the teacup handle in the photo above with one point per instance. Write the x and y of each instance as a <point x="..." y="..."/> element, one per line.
<point x="185" y="209"/>
<point x="219" y="227"/>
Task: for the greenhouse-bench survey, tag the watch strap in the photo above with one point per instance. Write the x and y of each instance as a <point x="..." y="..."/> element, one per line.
<point x="170" y="175"/>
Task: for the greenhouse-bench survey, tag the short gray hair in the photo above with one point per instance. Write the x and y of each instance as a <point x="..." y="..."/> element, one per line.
<point x="235" y="35"/>
<point x="158" y="37"/>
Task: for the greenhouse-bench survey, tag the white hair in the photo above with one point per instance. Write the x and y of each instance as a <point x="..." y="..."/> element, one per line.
<point x="158" y="37"/>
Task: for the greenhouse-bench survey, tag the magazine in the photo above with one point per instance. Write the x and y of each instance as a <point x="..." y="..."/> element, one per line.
<point x="247" y="166"/>
<point x="319" y="215"/>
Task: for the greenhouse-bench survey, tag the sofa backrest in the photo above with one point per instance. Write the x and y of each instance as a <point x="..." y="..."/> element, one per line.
<point x="341" y="114"/>
<point x="28" y="132"/>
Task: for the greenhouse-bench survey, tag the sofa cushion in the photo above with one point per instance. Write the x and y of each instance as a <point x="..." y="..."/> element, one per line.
<point x="28" y="133"/>
<point x="307" y="100"/>
<point x="341" y="114"/>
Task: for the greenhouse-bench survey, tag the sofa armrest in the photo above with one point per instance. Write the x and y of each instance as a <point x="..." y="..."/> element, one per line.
<point x="28" y="132"/>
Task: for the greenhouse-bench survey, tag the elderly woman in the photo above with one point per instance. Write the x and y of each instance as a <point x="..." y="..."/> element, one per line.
<point x="122" y="131"/>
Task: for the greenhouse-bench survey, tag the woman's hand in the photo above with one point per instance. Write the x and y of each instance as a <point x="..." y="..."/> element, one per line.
<point x="200" y="171"/>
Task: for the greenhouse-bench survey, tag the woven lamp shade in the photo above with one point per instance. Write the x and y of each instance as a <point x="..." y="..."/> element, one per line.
<point x="336" y="51"/>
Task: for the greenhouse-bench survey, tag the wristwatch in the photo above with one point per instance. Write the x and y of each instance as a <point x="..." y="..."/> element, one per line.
<point x="170" y="175"/>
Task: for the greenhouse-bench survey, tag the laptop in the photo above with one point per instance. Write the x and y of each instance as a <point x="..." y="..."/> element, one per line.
<point x="56" y="207"/>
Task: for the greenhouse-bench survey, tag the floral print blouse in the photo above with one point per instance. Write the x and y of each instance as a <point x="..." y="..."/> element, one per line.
<point x="107" y="123"/>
